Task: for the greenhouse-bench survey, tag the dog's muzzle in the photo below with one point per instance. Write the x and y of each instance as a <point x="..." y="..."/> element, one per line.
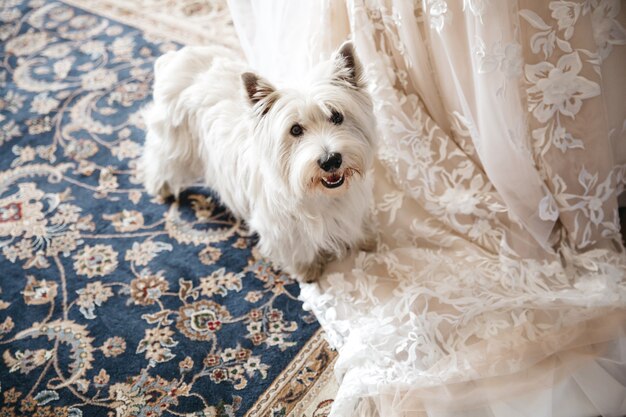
<point x="331" y="163"/>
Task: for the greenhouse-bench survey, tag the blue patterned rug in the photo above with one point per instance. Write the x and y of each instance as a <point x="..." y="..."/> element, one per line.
<point x="113" y="304"/>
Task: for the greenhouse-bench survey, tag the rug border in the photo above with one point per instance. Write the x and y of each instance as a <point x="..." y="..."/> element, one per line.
<point x="164" y="27"/>
<point x="267" y="400"/>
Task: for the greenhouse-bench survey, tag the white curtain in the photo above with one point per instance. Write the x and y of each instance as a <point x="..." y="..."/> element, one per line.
<point x="499" y="283"/>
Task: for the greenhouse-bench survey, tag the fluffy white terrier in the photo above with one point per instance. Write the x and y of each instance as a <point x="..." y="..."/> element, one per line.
<point x="293" y="162"/>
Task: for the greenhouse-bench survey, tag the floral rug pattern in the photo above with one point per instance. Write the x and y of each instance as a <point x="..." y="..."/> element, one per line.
<point x="113" y="303"/>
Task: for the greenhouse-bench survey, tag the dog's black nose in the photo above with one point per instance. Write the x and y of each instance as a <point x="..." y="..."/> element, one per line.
<point x="330" y="162"/>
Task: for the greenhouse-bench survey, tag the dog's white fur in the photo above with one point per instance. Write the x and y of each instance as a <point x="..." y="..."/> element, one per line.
<point x="209" y="121"/>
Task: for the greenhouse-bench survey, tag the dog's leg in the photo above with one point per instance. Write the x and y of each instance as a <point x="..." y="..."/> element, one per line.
<point x="169" y="162"/>
<point x="154" y="167"/>
<point x="370" y="241"/>
<point x="311" y="272"/>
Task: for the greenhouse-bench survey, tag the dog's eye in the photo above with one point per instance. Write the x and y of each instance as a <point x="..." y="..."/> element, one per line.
<point x="336" y="118"/>
<point x="296" y="130"/>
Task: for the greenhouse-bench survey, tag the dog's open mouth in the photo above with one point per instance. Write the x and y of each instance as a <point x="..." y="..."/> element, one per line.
<point x="332" y="180"/>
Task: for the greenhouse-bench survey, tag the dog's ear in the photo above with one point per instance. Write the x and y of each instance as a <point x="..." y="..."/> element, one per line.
<point x="259" y="91"/>
<point x="347" y="66"/>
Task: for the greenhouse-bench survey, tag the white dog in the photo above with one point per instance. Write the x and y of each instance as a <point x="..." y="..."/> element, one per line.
<point x="293" y="162"/>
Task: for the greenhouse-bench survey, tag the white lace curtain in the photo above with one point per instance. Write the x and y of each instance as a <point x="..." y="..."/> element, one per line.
<point x="502" y="155"/>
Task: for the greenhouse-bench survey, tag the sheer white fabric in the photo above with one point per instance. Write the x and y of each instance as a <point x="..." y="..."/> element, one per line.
<point x="499" y="283"/>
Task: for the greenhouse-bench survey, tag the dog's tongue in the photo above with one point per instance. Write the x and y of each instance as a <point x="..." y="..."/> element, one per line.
<point x="332" y="178"/>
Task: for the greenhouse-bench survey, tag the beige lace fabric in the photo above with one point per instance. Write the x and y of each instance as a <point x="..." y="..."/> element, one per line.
<point x="499" y="283"/>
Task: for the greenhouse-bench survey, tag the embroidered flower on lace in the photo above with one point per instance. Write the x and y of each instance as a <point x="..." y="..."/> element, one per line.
<point x="507" y="58"/>
<point x="566" y="14"/>
<point x="607" y="31"/>
<point x="558" y="88"/>
<point x="595" y="199"/>
<point x="548" y="209"/>
<point x="438" y="13"/>
<point x="511" y="63"/>
<point x="459" y="201"/>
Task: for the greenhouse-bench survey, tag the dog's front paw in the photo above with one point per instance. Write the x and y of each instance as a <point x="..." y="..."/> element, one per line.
<point x="313" y="271"/>
<point x="164" y="191"/>
<point x="159" y="189"/>
<point x="369" y="244"/>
